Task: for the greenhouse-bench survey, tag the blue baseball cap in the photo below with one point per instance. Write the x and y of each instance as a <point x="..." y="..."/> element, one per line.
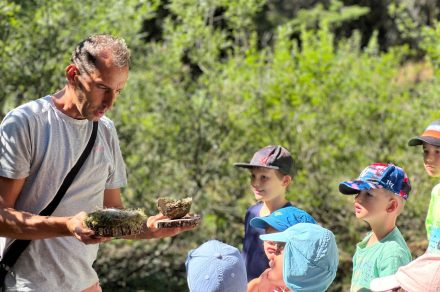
<point x="379" y="176"/>
<point x="282" y="219"/>
<point x="216" y="267"/>
<point x="310" y="256"/>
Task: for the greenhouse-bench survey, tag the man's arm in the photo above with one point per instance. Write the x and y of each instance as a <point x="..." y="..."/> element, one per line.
<point x="112" y="199"/>
<point x="23" y="225"/>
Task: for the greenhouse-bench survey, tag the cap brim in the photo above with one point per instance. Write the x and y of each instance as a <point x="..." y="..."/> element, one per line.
<point x="277" y="236"/>
<point x="259" y="222"/>
<point x="354" y="187"/>
<point x="384" y="284"/>
<point x="248" y="165"/>
<point x="419" y="141"/>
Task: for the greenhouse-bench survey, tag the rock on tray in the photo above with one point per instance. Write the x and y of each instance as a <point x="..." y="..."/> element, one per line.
<point x="173" y="208"/>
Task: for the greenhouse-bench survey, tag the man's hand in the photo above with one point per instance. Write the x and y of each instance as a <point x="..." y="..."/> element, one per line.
<point x="154" y="232"/>
<point x="77" y="228"/>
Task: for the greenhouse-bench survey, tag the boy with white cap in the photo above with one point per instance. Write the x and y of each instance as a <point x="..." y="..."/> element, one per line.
<point x="380" y="194"/>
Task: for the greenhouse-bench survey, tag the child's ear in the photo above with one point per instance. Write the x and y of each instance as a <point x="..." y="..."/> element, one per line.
<point x="287" y="179"/>
<point x="393" y="204"/>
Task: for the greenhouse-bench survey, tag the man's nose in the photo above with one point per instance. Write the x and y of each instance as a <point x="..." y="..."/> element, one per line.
<point x="110" y="98"/>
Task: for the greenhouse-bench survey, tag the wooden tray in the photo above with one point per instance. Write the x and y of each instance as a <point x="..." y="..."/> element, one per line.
<point x="192" y="220"/>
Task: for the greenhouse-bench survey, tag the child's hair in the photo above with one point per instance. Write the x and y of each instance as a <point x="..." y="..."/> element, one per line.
<point x="273" y="156"/>
<point x="216" y="266"/>
<point x="400" y="201"/>
<point x="310" y="256"/>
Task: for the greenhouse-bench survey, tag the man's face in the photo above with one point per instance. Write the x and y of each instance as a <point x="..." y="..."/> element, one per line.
<point x="97" y="92"/>
<point x="431" y="159"/>
<point x="372" y="204"/>
<point x="267" y="184"/>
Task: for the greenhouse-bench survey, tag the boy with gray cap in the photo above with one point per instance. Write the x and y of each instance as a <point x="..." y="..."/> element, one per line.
<point x="270" y="169"/>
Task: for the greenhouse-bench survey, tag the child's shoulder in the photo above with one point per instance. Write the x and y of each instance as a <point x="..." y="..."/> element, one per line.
<point x="436" y="189"/>
<point x="255" y="209"/>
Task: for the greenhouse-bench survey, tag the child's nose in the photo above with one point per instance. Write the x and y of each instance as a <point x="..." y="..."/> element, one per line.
<point x="428" y="158"/>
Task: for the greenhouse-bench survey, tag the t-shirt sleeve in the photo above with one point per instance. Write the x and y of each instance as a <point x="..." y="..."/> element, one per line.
<point x="433" y="216"/>
<point x="117" y="177"/>
<point x="15" y="147"/>
<point x="390" y="265"/>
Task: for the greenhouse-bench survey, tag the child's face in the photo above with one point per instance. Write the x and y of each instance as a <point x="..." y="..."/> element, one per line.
<point x="269" y="246"/>
<point x="431" y="159"/>
<point x="267" y="184"/>
<point x="275" y="274"/>
<point x="372" y="205"/>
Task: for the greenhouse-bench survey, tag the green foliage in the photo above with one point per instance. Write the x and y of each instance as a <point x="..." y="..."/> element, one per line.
<point x="210" y="92"/>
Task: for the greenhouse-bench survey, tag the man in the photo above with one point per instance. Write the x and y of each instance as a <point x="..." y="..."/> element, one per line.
<point x="39" y="143"/>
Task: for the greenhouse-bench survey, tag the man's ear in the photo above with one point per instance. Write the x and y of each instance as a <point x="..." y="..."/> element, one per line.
<point x="71" y="72"/>
<point x="393" y="204"/>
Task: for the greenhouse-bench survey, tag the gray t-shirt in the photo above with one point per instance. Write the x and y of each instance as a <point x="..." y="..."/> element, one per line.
<point x="41" y="144"/>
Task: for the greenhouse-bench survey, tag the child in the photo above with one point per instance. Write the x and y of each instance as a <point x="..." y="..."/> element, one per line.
<point x="306" y="260"/>
<point x="278" y="221"/>
<point x="381" y="191"/>
<point x="270" y="175"/>
<point x="423" y="274"/>
<point x="215" y="267"/>
<point x="430" y="139"/>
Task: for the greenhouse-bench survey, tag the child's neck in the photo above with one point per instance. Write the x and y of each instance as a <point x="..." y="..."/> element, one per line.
<point x="272" y="205"/>
<point x="380" y="230"/>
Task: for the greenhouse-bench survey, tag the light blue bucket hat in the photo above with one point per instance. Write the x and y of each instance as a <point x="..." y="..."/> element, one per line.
<point x="310" y="257"/>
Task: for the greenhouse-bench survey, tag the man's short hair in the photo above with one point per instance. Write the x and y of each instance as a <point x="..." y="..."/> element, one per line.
<point x="87" y="51"/>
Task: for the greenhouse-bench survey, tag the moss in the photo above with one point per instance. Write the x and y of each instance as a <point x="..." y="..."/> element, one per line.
<point x="116" y="222"/>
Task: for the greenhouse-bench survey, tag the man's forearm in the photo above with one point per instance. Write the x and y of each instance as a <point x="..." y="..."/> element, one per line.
<point x="22" y="225"/>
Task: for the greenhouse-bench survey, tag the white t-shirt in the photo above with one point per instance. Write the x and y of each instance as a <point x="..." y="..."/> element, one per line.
<point x="41" y="144"/>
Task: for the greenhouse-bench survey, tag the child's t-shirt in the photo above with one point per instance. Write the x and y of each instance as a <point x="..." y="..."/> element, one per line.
<point x="253" y="250"/>
<point x="378" y="260"/>
<point x="433" y="221"/>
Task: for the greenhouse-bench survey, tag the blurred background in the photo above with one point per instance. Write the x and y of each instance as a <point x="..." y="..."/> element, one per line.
<point x="341" y="84"/>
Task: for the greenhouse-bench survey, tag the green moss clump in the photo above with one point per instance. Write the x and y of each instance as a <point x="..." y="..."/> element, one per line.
<point x="116" y="222"/>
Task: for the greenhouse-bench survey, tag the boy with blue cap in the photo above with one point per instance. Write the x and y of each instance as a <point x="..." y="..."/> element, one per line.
<point x="380" y="194"/>
<point x="423" y="274"/>
<point x="306" y="260"/>
<point x="270" y="171"/>
<point x="279" y="221"/>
